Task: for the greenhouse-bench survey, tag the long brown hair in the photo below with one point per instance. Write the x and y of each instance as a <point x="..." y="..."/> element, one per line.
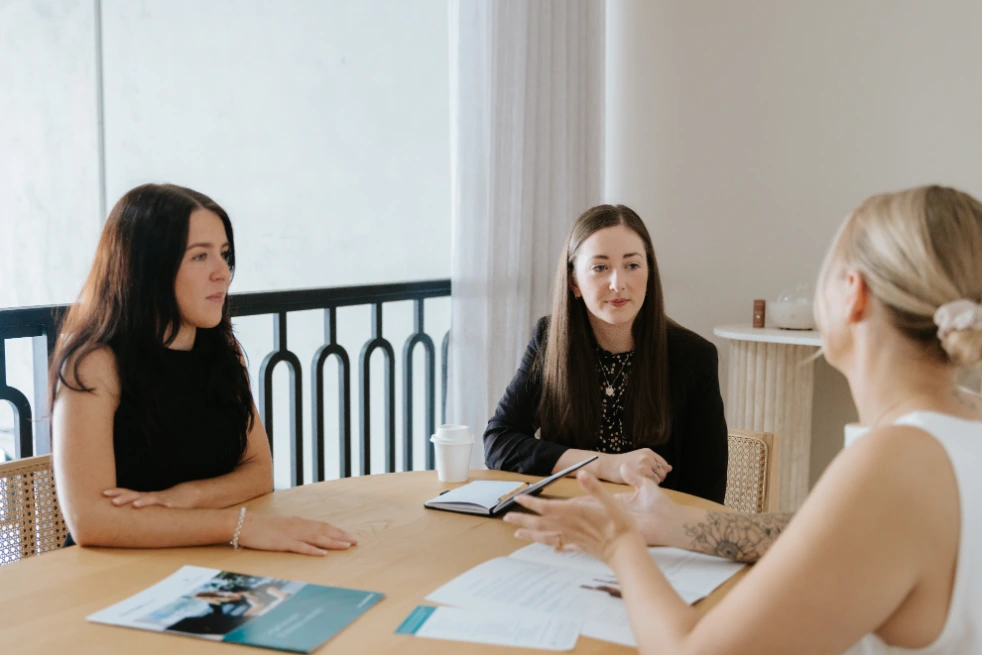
<point x="570" y="407"/>
<point x="128" y="304"/>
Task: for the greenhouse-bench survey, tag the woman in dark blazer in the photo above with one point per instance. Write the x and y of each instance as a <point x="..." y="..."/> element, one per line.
<point x="609" y="373"/>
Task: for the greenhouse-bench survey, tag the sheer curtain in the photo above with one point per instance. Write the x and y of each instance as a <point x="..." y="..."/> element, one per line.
<point x="527" y="93"/>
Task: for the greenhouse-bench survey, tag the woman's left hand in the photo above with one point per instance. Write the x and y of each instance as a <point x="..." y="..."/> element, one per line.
<point x="177" y="497"/>
<point x="595" y="528"/>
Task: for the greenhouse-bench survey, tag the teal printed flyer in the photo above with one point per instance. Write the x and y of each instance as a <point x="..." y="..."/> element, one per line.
<point x="242" y="609"/>
<point x="415" y="620"/>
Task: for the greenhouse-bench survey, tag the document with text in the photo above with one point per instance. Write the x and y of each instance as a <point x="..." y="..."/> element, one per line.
<point x="576" y="585"/>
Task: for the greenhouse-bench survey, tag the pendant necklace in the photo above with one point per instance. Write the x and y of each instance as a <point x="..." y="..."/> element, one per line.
<point x="610" y="383"/>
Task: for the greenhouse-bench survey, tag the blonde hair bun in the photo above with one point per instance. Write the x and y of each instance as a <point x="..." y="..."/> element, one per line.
<point x="920" y="253"/>
<point x="960" y="331"/>
<point x="964" y="347"/>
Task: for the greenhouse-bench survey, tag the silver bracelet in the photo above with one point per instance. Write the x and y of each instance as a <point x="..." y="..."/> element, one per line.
<point x="238" y="529"/>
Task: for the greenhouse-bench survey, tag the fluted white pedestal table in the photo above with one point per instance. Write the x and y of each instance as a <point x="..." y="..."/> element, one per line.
<point x="770" y="389"/>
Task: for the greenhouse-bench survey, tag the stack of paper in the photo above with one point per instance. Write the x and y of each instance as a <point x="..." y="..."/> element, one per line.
<point x="575" y="586"/>
<point x="527" y="630"/>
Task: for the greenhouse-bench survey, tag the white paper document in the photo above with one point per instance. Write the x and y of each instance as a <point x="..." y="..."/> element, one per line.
<point x="576" y="585"/>
<point x="693" y="575"/>
<point x="480" y="626"/>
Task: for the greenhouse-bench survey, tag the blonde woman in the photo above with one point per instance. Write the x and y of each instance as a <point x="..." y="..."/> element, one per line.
<point x="885" y="556"/>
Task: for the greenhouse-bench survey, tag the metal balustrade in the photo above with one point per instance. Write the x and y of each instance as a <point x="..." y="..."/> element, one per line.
<point x="40" y="324"/>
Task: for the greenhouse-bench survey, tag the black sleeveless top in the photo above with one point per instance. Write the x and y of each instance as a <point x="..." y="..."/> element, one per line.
<point x="199" y="436"/>
<point x="195" y="439"/>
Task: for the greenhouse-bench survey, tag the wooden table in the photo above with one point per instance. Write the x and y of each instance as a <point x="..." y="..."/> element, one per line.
<point x="405" y="552"/>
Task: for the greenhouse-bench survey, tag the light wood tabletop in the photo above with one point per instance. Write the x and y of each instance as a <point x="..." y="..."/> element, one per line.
<point x="405" y="552"/>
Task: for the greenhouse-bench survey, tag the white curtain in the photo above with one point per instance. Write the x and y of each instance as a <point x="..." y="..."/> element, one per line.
<point x="527" y="115"/>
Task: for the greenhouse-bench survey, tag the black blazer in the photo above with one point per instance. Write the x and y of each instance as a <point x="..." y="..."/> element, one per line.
<point x="697" y="446"/>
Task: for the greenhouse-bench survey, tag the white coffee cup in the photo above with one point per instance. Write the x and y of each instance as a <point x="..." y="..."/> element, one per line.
<point x="452" y="445"/>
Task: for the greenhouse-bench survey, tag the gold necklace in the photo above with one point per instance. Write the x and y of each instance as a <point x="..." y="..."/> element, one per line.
<point x="610" y="385"/>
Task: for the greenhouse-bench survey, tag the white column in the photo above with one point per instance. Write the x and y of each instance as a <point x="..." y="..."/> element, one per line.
<point x="770" y="388"/>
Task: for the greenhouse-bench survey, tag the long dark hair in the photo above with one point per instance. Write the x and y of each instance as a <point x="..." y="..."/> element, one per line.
<point x="570" y="407"/>
<point x="128" y="304"/>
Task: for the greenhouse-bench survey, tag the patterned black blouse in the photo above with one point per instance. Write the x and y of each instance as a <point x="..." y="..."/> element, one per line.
<point x="696" y="447"/>
<point x="613" y="371"/>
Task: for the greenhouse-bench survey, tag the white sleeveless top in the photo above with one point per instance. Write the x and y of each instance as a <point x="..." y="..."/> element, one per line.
<point x="962" y="632"/>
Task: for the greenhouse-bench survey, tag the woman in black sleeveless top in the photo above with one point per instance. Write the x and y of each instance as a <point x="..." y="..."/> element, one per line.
<point x="202" y="440"/>
<point x="156" y="440"/>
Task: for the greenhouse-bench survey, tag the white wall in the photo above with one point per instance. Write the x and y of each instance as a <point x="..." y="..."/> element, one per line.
<point x="49" y="189"/>
<point x="321" y="127"/>
<point x="743" y="132"/>
<point x="49" y="156"/>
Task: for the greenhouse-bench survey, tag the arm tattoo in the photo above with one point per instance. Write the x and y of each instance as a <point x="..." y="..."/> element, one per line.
<point x="736" y="536"/>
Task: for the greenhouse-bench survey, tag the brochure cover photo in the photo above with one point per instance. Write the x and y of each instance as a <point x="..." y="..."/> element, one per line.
<point x="242" y="609"/>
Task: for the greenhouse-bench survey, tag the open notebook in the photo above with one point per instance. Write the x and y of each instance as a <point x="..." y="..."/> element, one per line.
<point x="492" y="497"/>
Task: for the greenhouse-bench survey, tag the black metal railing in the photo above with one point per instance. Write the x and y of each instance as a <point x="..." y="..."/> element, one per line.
<point x="32" y="431"/>
<point x="40" y="324"/>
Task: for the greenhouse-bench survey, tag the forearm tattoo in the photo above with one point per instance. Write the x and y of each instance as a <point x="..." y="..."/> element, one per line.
<point x="739" y="537"/>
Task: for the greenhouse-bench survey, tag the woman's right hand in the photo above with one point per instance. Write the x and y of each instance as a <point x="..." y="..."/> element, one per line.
<point x="644" y="461"/>
<point x="292" y="534"/>
<point x="659" y="519"/>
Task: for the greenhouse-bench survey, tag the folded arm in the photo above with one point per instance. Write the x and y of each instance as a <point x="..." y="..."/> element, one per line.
<point x="85" y="467"/>
<point x="252" y="477"/>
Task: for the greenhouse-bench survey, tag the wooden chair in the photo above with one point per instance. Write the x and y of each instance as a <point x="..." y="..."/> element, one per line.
<point x="30" y="518"/>
<point x="751" y="471"/>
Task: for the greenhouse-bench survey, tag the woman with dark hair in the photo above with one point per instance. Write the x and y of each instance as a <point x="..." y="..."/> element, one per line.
<point x="608" y="372"/>
<point x="155" y="430"/>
